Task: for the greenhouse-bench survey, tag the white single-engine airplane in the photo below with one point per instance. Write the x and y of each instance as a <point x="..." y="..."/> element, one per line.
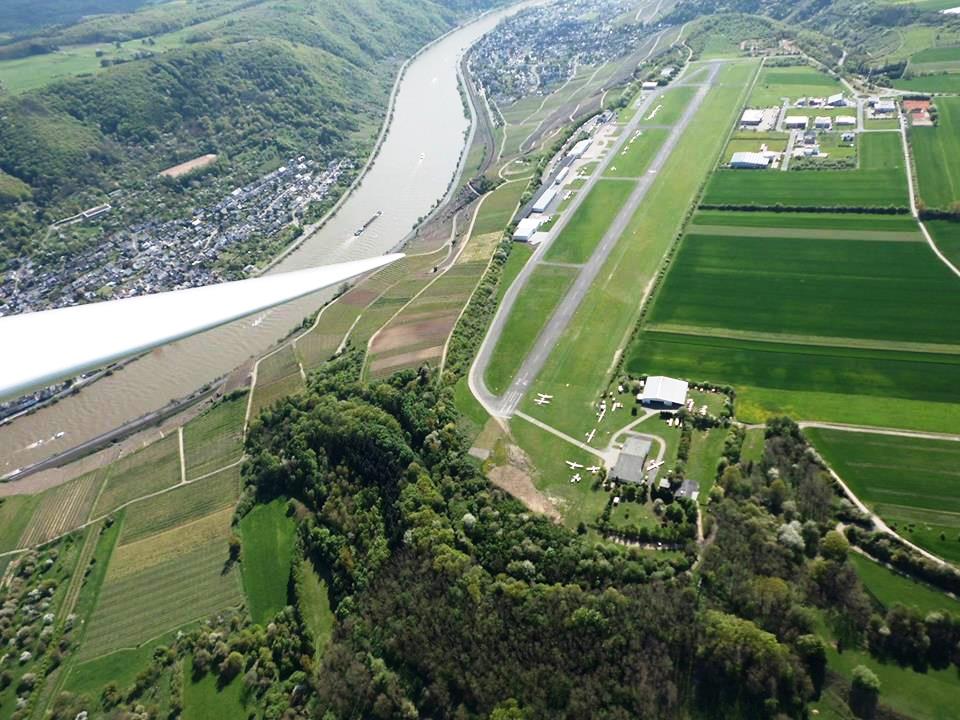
<point x="41" y="348"/>
<point x="654" y="464"/>
<point x="541" y="401"/>
<point x="573" y="465"/>
<point x="594" y="469"/>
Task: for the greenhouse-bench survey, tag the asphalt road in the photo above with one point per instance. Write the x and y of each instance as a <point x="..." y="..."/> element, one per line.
<point x="506" y="405"/>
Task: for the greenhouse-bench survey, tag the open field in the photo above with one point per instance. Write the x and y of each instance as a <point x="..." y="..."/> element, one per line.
<point x="749" y="141"/>
<point x="15" y="514"/>
<point x="912" y="483"/>
<point x="672" y="104"/>
<point x="812" y="382"/>
<point x="811" y="221"/>
<point x="930" y="83"/>
<point x="206" y="698"/>
<point x="775" y="83"/>
<point x="499" y="208"/>
<point x="705" y="449"/>
<point x="181" y="506"/>
<point x="160" y="583"/>
<point x="154" y="468"/>
<point x="880" y="181"/>
<point x="268" y="536"/>
<point x="946" y="234"/>
<point x="752" y="450"/>
<point x="609" y="310"/>
<point x="936" y="152"/>
<point x="189" y="166"/>
<point x="889" y="588"/>
<point x="63" y="508"/>
<point x="214" y="439"/>
<point x="542" y="293"/>
<point x="579" y="238"/>
<point x="265" y="395"/>
<point x="314" y="599"/>
<point x="894" y="291"/>
<point x="637" y="154"/>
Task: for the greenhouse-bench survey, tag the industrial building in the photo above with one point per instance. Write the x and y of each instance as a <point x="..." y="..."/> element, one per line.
<point x="884" y="107"/>
<point x="796" y="122"/>
<point x="527" y="228"/>
<point x="846" y="121"/>
<point x="664" y="392"/>
<point x="751" y="118"/>
<point x="649" y="85"/>
<point x="629" y="467"/>
<point x="546" y="197"/>
<point x="836" y="100"/>
<point x="822" y="123"/>
<point x="579" y="149"/>
<point x="749" y="161"/>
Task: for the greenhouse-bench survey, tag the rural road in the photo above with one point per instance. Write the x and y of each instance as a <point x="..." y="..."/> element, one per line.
<point x="506" y="405"/>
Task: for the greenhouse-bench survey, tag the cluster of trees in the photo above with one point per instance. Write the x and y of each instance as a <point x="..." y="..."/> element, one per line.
<point x="918" y="640"/>
<point x="889" y="549"/>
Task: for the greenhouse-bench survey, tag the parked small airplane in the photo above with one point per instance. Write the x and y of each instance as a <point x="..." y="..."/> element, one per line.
<point x="573" y="465"/>
<point x="654" y="464"/>
<point x="544" y="397"/>
<point x="594" y="469"/>
<point x="576" y="478"/>
<point x="541" y="401"/>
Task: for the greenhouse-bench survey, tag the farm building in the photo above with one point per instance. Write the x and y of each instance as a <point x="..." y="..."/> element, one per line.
<point x="546" y="197"/>
<point x="822" y="123"/>
<point x="749" y="160"/>
<point x="751" y="118"/>
<point x="796" y="122"/>
<point x="663" y="392"/>
<point x="527" y="228"/>
<point x="629" y="467"/>
<point x="579" y="149"/>
<point x="846" y="120"/>
<point x="836" y="100"/>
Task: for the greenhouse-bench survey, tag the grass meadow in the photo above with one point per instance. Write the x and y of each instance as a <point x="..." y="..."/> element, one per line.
<point x="637" y="153"/>
<point x="946" y="234"/>
<point x="215" y="439"/>
<point x="583" y="232"/>
<point x="930" y="83"/>
<point x="154" y="468"/>
<point x="206" y="698"/>
<point x="672" y="104"/>
<point x="912" y="483"/>
<point x="776" y="83"/>
<point x="533" y="308"/>
<point x="936" y="153"/>
<point x="879" y="182"/>
<point x="498" y="209"/>
<point x="891" y="291"/>
<point x="807" y="221"/>
<point x="889" y="588"/>
<point x="313" y="597"/>
<point x="268" y="536"/>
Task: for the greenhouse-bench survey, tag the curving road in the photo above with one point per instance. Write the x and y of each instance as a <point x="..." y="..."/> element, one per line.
<point x="506" y="405"/>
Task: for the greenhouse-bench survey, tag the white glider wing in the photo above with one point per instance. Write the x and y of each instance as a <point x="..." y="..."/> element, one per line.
<point x="40" y="348"/>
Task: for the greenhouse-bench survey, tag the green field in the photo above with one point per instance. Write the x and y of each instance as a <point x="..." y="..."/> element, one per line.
<point x="752" y="450"/>
<point x="15" y="513"/>
<point x="936" y="55"/>
<point x="580" y="237"/>
<point x="775" y="83"/>
<point x="812" y="382"/>
<point x="314" y="600"/>
<point x="880" y="181"/>
<point x="890" y="588"/>
<point x="498" y="209"/>
<point x="537" y="301"/>
<point x="206" y="698"/>
<point x="936" y="152"/>
<point x="146" y="471"/>
<point x="913" y="483"/>
<point x="63" y="508"/>
<point x="215" y="439"/>
<point x="672" y="104"/>
<point x="609" y="309"/>
<point x="892" y="291"/>
<point x="808" y="221"/>
<point x="946" y="234"/>
<point x="182" y="505"/>
<point x="930" y="83"/>
<point x="268" y="536"/>
<point x="637" y="153"/>
<point x="705" y="449"/>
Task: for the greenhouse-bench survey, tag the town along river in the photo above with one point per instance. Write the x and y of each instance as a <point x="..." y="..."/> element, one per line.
<point x="417" y="159"/>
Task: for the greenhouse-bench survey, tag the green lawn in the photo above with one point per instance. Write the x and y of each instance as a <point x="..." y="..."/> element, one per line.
<point x="498" y="208"/>
<point x="812" y="382"/>
<point x="752" y="450"/>
<point x="930" y="83"/>
<point x="579" y="365"/>
<point x="672" y="104"/>
<point x="15" y="513"/>
<point x="215" y="439"/>
<point x="946" y="234"/>
<point x="890" y="588"/>
<point x="807" y="221"/>
<point x="314" y="599"/>
<point x="534" y="305"/>
<point x="122" y="667"/>
<point x="775" y="83"/>
<point x="205" y="699"/>
<point x="637" y="153"/>
<point x="936" y="153"/>
<point x="580" y="237"/>
<point x="880" y="181"/>
<point x="268" y="536"/>
<point x="913" y="483"/>
<point x="705" y="449"/>
<point x="891" y="291"/>
<point x="519" y="254"/>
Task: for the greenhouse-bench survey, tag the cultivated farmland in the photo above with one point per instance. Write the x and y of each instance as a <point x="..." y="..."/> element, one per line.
<point x="154" y="468"/>
<point x="580" y="236"/>
<point x="214" y="439"/>
<point x="912" y="483"/>
<point x="879" y="182"/>
<point x="946" y="234"/>
<point x="63" y="508"/>
<point x="936" y="152"/>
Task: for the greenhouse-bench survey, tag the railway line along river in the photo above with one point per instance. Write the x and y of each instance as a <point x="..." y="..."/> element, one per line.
<point x="416" y="161"/>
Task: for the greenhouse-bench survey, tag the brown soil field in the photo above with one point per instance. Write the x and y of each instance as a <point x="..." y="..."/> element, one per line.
<point x="408" y="333"/>
<point x="405" y="358"/>
<point x="189" y="166"/>
<point x="515" y="479"/>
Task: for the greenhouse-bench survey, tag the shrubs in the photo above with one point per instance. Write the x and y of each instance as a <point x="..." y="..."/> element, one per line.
<point x="864" y="692"/>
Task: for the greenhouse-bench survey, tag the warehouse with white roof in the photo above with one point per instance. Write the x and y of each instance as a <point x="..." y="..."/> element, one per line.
<point x="663" y="392"/>
<point x="749" y="160"/>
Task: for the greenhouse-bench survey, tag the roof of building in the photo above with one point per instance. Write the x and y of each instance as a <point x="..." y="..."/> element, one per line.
<point x="545" y="198"/>
<point x="527" y="227"/>
<point x="688" y="489"/>
<point x="629" y="467"/>
<point x="846" y="120"/>
<point x="796" y="120"/>
<point x="751" y="117"/>
<point x="658" y="388"/>
<point x="835" y="98"/>
<point x="885" y="105"/>
<point x="749" y="158"/>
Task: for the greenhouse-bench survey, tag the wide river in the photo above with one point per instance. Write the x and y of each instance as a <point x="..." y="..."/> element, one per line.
<point x="417" y="160"/>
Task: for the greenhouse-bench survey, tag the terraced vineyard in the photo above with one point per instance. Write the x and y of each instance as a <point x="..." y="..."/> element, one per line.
<point x="62" y="509"/>
<point x="154" y="468"/>
<point x="215" y="439"/>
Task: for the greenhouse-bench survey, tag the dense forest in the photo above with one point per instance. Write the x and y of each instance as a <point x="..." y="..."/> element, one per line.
<point x="265" y="82"/>
<point x="453" y="601"/>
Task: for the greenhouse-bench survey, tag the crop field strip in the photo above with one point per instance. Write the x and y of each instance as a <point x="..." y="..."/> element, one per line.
<point x="806" y="233"/>
<point x="913" y="483"/>
<point x="879" y="182"/>
<point x="214" y="439"/>
<point x="155" y="467"/>
<point x="802" y="220"/>
<point x="182" y="505"/>
<point x="579" y="365"/>
<point x="278" y="375"/>
<point x="946" y="235"/>
<point x="62" y="509"/>
<point x="936" y="155"/>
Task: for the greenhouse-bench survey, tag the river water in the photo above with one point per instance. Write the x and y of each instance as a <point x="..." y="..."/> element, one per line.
<point x="417" y="160"/>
